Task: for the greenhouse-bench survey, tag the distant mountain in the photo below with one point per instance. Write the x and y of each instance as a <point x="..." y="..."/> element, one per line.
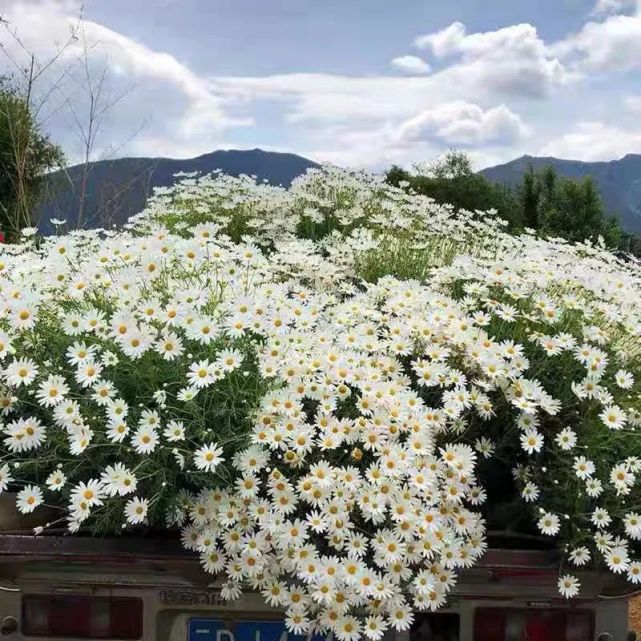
<point x="618" y="180"/>
<point x="117" y="189"/>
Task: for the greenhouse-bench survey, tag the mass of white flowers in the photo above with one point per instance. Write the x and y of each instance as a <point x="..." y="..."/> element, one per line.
<point x="309" y="383"/>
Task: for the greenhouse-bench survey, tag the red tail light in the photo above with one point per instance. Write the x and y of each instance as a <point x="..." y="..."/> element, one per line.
<point x="81" y="616"/>
<point x="498" y="624"/>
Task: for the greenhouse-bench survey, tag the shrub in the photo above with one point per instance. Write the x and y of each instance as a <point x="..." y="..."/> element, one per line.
<point x="310" y="383"/>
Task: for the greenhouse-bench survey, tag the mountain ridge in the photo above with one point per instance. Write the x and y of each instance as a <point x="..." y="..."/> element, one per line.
<point x="118" y="188"/>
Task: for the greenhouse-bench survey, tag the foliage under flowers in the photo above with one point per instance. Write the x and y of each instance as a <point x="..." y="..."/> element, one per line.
<point x="307" y="380"/>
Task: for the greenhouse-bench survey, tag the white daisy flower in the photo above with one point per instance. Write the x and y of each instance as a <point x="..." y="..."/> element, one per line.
<point x="29" y="498"/>
<point x="136" y="510"/>
<point x="208" y="457"/>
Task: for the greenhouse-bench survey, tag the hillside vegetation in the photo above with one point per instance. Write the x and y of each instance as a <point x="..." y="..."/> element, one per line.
<point x="541" y="200"/>
<point x="618" y="181"/>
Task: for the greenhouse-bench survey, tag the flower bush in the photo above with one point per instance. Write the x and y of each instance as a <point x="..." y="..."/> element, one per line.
<point x="311" y="384"/>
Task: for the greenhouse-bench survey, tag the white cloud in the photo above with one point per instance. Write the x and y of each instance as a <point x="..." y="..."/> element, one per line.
<point x="508" y="63"/>
<point x="379" y="149"/>
<point x="444" y="42"/>
<point x="466" y="101"/>
<point x="389" y="118"/>
<point x="592" y="141"/>
<point x="463" y="123"/>
<point x="611" y="45"/>
<point x="482" y="92"/>
<point x="326" y="98"/>
<point x="411" y="65"/>
<point x="633" y="103"/>
<point x="488" y="135"/>
<point x="173" y="103"/>
<point x="604" y="7"/>
<point x="513" y="60"/>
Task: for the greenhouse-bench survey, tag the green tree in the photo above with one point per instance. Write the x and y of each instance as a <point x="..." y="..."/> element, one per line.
<point x="543" y="201"/>
<point x="571" y="209"/>
<point x="548" y="181"/>
<point x="26" y="155"/>
<point x="452" y="180"/>
<point x="529" y="199"/>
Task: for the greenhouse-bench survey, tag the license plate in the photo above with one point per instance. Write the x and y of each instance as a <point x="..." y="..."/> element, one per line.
<point x="216" y="630"/>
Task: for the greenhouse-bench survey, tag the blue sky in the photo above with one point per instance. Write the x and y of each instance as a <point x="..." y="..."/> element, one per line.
<point x="358" y="82"/>
<point x="243" y="37"/>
